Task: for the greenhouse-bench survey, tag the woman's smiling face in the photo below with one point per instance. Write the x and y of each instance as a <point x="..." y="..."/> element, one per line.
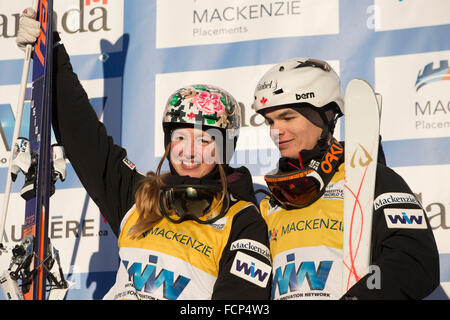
<point x="192" y="152"/>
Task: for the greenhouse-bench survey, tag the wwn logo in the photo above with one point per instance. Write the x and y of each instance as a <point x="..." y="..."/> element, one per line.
<point x="251" y="269"/>
<point x="405" y="218"/>
<point x="290" y="279"/>
<point x="144" y="277"/>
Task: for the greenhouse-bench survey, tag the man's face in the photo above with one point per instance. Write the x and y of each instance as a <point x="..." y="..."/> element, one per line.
<point x="292" y="132"/>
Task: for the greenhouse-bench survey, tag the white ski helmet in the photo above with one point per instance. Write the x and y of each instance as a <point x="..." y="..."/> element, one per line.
<point x="206" y="107"/>
<point x="299" y="81"/>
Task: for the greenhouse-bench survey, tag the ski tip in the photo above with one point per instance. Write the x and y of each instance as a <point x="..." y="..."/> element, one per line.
<point x="359" y="84"/>
<point x="360" y="97"/>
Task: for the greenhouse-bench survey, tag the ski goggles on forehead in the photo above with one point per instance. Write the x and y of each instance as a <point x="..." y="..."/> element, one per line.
<point x="193" y="202"/>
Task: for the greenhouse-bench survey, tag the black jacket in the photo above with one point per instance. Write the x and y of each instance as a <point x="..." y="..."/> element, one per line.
<point x="404" y="249"/>
<point x="407" y="257"/>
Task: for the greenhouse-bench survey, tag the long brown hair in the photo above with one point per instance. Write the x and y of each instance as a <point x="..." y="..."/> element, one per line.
<point x="147" y="198"/>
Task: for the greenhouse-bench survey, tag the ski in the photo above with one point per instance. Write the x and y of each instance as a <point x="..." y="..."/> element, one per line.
<point x="31" y="272"/>
<point x="362" y="119"/>
<point x="38" y="179"/>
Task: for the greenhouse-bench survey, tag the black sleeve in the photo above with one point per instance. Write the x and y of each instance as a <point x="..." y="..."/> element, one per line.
<point x="100" y="165"/>
<point x="249" y="237"/>
<point x="404" y="249"/>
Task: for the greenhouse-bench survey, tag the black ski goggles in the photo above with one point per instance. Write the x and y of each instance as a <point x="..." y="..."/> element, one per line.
<point x="193" y="202"/>
<point x="302" y="187"/>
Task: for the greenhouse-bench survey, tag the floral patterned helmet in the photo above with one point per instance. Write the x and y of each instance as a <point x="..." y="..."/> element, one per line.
<point x="203" y="106"/>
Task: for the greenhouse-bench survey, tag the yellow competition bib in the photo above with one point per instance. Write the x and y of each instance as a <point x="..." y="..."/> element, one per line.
<point x="171" y="261"/>
<point x="306" y="245"/>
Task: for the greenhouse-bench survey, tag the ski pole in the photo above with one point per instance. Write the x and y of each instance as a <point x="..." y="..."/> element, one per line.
<point x="17" y="124"/>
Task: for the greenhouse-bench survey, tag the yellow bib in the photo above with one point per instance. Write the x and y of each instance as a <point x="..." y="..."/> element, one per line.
<point x="171" y="261"/>
<point x="309" y="242"/>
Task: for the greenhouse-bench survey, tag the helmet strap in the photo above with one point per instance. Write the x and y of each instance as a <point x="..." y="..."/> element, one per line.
<point x="325" y="135"/>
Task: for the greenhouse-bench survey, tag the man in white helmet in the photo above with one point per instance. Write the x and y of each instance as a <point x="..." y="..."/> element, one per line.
<point x="301" y="100"/>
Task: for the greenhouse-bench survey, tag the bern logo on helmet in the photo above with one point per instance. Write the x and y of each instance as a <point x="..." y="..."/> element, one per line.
<point x="306" y="95"/>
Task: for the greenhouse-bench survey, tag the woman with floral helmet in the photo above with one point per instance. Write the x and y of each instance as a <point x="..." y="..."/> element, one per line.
<point x="191" y="233"/>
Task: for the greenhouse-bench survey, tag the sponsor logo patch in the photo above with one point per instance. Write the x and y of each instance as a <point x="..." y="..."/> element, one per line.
<point x="251" y="245"/>
<point x="394" y="198"/>
<point x="334" y="190"/>
<point x="129" y="164"/>
<point x="251" y="269"/>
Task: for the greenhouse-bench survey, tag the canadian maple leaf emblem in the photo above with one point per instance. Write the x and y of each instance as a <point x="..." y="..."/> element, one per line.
<point x="191" y="116"/>
<point x="263" y="100"/>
